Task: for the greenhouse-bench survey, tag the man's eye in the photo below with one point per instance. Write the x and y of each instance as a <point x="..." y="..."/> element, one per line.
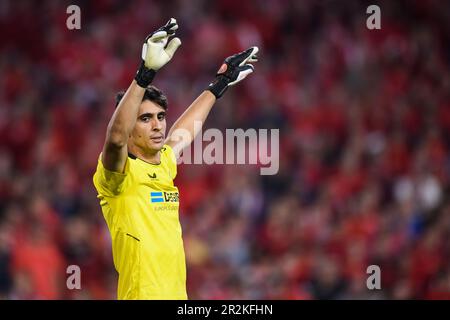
<point x="161" y="116"/>
<point x="145" y="119"/>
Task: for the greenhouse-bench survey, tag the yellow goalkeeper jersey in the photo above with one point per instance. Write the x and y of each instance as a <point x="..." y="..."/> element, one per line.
<point x="140" y="207"/>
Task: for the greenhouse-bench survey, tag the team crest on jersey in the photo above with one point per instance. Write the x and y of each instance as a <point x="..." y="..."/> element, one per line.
<point x="161" y="196"/>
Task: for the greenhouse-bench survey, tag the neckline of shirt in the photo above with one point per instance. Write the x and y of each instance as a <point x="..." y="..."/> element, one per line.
<point x="132" y="156"/>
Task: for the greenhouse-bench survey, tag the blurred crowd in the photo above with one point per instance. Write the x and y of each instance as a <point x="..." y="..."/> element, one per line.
<point x="364" y="120"/>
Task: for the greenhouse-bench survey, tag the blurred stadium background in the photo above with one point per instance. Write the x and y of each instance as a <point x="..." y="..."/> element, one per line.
<point x="364" y="119"/>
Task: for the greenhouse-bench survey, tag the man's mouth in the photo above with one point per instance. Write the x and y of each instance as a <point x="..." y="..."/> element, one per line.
<point x="157" y="139"/>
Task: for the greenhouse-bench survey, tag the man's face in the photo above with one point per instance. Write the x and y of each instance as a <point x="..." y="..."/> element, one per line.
<point x="150" y="129"/>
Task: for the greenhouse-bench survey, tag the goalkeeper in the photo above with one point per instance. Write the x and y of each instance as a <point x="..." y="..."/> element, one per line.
<point x="137" y="166"/>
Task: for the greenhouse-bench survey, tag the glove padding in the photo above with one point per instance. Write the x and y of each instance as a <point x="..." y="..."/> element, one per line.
<point x="233" y="70"/>
<point x="157" y="51"/>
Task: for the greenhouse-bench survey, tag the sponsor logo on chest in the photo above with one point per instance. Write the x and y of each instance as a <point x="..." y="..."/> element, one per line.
<point x="162" y="196"/>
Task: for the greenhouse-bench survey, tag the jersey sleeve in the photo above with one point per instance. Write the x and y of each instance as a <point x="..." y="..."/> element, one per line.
<point x="172" y="161"/>
<point x="109" y="183"/>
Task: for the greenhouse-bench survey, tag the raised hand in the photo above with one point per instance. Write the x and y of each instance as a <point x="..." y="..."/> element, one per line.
<point x="157" y="50"/>
<point x="233" y="70"/>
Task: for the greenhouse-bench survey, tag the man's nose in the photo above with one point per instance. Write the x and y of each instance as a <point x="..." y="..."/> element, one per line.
<point x="156" y="125"/>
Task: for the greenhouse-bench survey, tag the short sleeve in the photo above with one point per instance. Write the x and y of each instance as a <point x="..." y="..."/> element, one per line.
<point x="172" y="161"/>
<point x="109" y="183"/>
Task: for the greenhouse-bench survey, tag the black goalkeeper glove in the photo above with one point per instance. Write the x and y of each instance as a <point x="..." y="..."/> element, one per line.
<point x="156" y="52"/>
<point x="233" y="70"/>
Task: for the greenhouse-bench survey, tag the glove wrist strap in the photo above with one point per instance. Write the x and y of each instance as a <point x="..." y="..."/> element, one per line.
<point x="218" y="86"/>
<point x="144" y="76"/>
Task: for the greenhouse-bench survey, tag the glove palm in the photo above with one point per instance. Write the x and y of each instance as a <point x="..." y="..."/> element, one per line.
<point x="156" y="52"/>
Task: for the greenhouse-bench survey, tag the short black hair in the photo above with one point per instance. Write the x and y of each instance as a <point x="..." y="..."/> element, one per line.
<point x="152" y="93"/>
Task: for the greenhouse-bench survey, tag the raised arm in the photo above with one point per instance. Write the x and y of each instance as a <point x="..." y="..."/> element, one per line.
<point x="114" y="152"/>
<point x="234" y="69"/>
<point x="156" y="52"/>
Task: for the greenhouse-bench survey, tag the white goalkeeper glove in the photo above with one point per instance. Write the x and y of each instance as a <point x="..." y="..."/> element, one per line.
<point x="157" y="51"/>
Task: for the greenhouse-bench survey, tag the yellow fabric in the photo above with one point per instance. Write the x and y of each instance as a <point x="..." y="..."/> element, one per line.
<point x="140" y="207"/>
